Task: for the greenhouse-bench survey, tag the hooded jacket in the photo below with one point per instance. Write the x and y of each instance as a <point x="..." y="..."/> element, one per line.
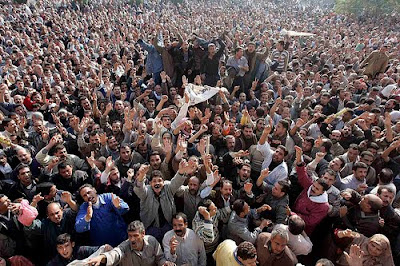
<point x="312" y="209"/>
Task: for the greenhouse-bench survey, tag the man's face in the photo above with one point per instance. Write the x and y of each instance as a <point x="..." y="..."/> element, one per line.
<point x="112" y="143"/>
<point x="89" y="195"/>
<point x="4" y="202"/>
<point x="278" y="155"/>
<point x="247" y="133"/>
<point x="136" y="239"/>
<point x="306" y="146"/>
<point x="335" y="136"/>
<point x="352" y="154"/>
<point x="230" y="143"/>
<point x="249" y="262"/>
<point x="155" y="162"/>
<point x="368" y="160"/>
<point x="25" y="176"/>
<point x="179" y="226"/>
<point x="277" y="191"/>
<point x="329" y="179"/>
<point x="280" y="130"/>
<point x="335" y="164"/>
<point x="94" y="139"/>
<point x="360" y="173"/>
<point x="386" y="197"/>
<point x="211" y="49"/>
<point x="65" y="250"/>
<point x="278" y="244"/>
<point x="55" y="213"/>
<point x="114" y="175"/>
<point x="226" y="190"/>
<point x="11" y="127"/>
<point x="316" y="189"/>
<point x="62" y="154"/>
<point x="116" y="128"/>
<point x="125" y="154"/>
<point x="157" y="184"/>
<point x="193" y="185"/>
<point x="244" y="172"/>
<point x="324" y="100"/>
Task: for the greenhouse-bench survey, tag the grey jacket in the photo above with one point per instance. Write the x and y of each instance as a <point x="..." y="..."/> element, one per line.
<point x="149" y="204"/>
<point x="238" y="228"/>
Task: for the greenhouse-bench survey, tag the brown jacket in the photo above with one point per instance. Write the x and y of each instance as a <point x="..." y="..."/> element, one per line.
<point x="375" y="63"/>
<point x="266" y="257"/>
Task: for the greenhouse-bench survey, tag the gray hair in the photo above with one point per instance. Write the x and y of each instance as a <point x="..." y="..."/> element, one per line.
<point x="136" y="225"/>
<point x="280" y="232"/>
<point x="37" y="115"/>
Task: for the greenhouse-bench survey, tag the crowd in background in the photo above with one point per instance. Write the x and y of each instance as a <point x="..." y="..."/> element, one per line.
<point x="105" y="159"/>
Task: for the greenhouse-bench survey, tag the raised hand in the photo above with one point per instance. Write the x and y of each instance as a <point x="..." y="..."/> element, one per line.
<point x="355" y="258"/>
<point x="173" y="244"/>
<point x="89" y="212"/>
<point x="203" y="211"/>
<point x="264" y="173"/>
<point x="91" y="160"/>
<point x="66" y="196"/>
<point x="248" y="188"/>
<point x="142" y="172"/>
<point x="130" y="174"/>
<point x="109" y="163"/>
<point x="116" y="201"/>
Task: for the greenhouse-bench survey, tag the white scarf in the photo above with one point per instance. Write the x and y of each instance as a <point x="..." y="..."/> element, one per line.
<point x="323" y="198"/>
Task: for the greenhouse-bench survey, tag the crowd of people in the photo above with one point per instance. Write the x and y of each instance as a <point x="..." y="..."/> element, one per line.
<point x="107" y="160"/>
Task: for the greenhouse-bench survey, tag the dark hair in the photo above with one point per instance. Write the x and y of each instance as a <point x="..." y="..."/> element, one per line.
<point x="354" y="147"/>
<point x="386" y="175"/>
<point x="296" y="225"/>
<point x="136" y="225"/>
<point x="238" y="206"/>
<point x="124" y="146"/>
<point x="225" y="181"/>
<point x="204" y="203"/>
<point x="327" y="144"/>
<point x="21" y="166"/>
<point x="330" y="172"/>
<point x="59" y="147"/>
<point x="359" y="165"/>
<point x="284" y="123"/>
<point x="310" y="139"/>
<point x="63" y="238"/>
<point x="373" y="145"/>
<point x="63" y="165"/>
<point x="323" y="183"/>
<point x="44" y="188"/>
<point x="154" y="153"/>
<point x="246" y="250"/>
<point x="285" y="151"/>
<point x="324" y="262"/>
<point x="156" y="173"/>
<point x="285" y="186"/>
<point x="367" y="153"/>
<point x="180" y="215"/>
<point x="6" y="121"/>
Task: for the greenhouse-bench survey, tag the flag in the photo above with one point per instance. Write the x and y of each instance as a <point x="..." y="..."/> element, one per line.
<point x="200" y="94"/>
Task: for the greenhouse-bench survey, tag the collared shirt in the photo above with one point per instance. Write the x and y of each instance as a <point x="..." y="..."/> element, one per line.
<point x="107" y="225"/>
<point x="190" y="250"/>
<point x="124" y="255"/>
<point x="351" y="182"/>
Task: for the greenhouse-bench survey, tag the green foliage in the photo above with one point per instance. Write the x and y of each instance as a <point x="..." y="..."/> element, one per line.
<point x="367" y="6"/>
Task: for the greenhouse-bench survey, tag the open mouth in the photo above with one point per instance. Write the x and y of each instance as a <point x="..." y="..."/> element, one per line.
<point x="157" y="186"/>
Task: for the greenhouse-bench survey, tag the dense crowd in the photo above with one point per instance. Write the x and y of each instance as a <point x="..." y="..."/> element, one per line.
<point x="107" y="159"/>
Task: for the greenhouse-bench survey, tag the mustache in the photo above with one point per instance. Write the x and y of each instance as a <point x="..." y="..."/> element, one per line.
<point x="157" y="186"/>
<point x="178" y="231"/>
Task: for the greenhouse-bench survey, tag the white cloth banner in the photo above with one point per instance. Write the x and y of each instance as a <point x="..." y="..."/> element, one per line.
<point x="295" y="33"/>
<point x="200" y="94"/>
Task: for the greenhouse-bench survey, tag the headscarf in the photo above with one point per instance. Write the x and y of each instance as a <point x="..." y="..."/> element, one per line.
<point x="385" y="259"/>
